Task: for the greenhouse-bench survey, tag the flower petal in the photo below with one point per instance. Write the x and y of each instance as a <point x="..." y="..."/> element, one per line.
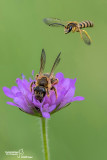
<point x="8" y="92"/>
<point x="60" y="76"/>
<point x="22" y="103"/>
<point x="62" y="104"/>
<point x="45" y="114"/>
<point x="78" y="98"/>
<point x="51" y="108"/>
<point x="65" y="101"/>
<point x="52" y="97"/>
<point x="61" y="94"/>
<point x="36" y="102"/>
<point x="23" y="85"/>
<point x="23" y="77"/>
<point x="33" y="73"/>
<point x="66" y="84"/>
<point x="14" y="90"/>
<point x="70" y="92"/>
<point x="12" y="104"/>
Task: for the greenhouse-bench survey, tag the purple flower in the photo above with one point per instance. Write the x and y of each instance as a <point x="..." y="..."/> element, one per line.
<point x="22" y="97"/>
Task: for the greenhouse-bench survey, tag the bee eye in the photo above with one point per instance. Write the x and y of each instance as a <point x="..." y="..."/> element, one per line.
<point x="70" y="28"/>
<point x="36" y="89"/>
<point x="44" y="91"/>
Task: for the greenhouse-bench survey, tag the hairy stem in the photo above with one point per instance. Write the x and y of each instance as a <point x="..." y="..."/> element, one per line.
<point x="45" y="138"/>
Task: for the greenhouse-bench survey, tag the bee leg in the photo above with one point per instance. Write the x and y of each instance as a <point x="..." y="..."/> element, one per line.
<point x="73" y="29"/>
<point x="33" y="94"/>
<point x="54" y="81"/>
<point x="53" y="88"/>
<point x="80" y="34"/>
<point x="47" y="92"/>
<point x="87" y="34"/>
<point x="31" y="85"/>
<point x="36" y="76"/>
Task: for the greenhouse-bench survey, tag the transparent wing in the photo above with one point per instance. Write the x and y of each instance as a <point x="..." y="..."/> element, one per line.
<point x="86" y="38"/>
<point x="54" y="22"/>
<point x="42" y="61"/>
<point x="55" y="63"/>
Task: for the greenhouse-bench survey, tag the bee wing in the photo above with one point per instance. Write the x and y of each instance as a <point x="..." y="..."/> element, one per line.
<point x="85" y="37"/>
<point x="42" y="61"/>
<point x="55" y="64"/>
<point x="54" y="22"/>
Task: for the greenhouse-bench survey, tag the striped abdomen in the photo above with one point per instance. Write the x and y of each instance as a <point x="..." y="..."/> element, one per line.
<point x="85" y="24"/>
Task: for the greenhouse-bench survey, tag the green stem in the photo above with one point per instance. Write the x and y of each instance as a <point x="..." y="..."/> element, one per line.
<point x="45" y="137"/>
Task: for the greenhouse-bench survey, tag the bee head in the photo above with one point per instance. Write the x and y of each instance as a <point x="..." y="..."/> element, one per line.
<point x="67" y="28"/>
<point x="40" y="92"/>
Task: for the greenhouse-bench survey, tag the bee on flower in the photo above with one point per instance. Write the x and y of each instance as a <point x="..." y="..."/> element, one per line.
<point x="46" y="94"/>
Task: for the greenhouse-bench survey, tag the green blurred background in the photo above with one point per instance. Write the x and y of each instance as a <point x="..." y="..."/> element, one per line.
<point x="78" y="132"/>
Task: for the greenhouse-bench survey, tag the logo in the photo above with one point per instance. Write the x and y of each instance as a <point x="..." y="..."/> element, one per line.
<point x="19" y="154"/>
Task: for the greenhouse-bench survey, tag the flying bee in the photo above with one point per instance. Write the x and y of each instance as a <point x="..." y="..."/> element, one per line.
<point x="44" y="82"/>
<point x="72" y="26"/>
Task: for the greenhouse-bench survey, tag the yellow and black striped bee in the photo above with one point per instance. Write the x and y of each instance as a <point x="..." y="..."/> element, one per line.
<point x="43" y="83"/>
<point x="72" y="26"/>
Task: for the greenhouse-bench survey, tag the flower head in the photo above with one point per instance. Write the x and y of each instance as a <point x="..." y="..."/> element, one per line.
<point x="22" y="96"/>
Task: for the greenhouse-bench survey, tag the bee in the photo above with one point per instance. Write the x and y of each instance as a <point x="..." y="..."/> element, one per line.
<point x="72" y="26"/>
<point x="44" y="83"/>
